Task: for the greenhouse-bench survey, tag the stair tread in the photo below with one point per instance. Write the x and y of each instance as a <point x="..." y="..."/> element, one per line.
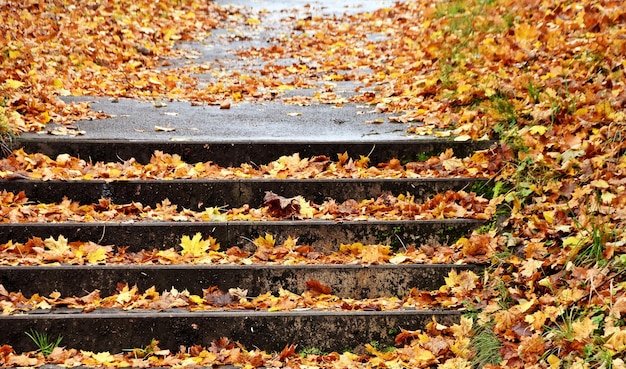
<point x="236" y="151"/>
<point x="194" y="194"/>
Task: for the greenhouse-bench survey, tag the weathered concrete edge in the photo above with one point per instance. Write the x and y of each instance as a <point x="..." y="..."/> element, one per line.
<point x="346" y="281"/>
<point x="324" y="236"/>
<point x="244" y="151"/>
<point x="196" y="194"/>
<point x="270" y="331"/>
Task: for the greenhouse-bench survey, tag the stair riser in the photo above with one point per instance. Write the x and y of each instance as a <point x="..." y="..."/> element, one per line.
<point x="199" y="194"/>
<point x="269" y="331"/>
<point x="324" y="236"/>
<point x="235" y="153"/>
<point x="346" y="281"/>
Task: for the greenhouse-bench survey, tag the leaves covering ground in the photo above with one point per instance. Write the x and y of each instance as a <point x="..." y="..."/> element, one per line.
<point x="547" y="77"/>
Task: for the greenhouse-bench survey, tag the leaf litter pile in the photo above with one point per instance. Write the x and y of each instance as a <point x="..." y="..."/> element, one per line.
<point x="545" y="77"/>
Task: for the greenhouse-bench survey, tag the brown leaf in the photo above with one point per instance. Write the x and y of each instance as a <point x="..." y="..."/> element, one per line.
<point x="281" y="207"/>
<point x="288" y="351"/>
<point x="222" y="344"/>
<point x="317" y="287"/>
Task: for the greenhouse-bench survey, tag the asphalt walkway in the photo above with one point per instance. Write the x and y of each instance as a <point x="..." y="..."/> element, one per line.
<point x="266" y="121"/>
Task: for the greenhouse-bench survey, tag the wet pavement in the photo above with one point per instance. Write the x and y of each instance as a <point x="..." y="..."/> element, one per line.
<point x="265" y="121"/>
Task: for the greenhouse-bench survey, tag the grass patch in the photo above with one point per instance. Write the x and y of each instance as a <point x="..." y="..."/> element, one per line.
<point x="589" y="249"/>
<point x="486" y="346"/>
<point x="311" y="351"/>
<point x="44" y="343"/>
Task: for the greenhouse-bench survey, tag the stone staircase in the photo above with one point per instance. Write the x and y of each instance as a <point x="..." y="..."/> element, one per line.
<point x="115" y="329"/>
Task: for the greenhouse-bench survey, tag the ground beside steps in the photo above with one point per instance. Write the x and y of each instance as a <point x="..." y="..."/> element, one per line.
<point x="346" y="322"/>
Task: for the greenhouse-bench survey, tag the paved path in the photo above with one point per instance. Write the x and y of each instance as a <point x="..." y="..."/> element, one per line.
<point x="261" y="121"/>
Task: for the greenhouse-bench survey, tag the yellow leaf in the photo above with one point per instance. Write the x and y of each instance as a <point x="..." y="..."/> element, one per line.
<point x="600" y="183"/>
<point x="617" y="341"/>
<point x="604" y="108"/>
<point x="253" y="21"/>
<point x="58" y="84"/>
<point x="155" y="80"/>
<point x="267" y="241"/>
<point x="306" y="210"/>
<point x="126" y="295"/>
<point x="524" y="304"/>
<point x="57" y="249"/>
<point x="169" y="34"/>
<point x="97" y="256"/>
<point x="463" y="88"/>
<point x="353" y="248"/>
<point x="583" y="329"/>
<point x="196" y="299"/>
<point x="13" y="84"/>
<point x="607" y="197"/>
<point x="168" y="254"/>
<point x="540" y="130"/>
<point x="554" y="361"/>
<point x="571" y="241"/>
<point x="581" y="111"/>
<point x="549" y="216"/>
<point x="103" y="357"/>
<point x="194" y="247"/>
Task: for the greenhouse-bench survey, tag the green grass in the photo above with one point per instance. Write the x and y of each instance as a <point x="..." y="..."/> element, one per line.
<point x="589" y="251"/>
<point x="486" y="347"/>
<point x="311" y="351"/>
<point x="534" y="92"/>
<point x="44" y="343"/>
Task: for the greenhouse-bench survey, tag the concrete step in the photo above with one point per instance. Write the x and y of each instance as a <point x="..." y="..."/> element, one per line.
<point x="237" y="151"/>
<point x="116" y="330"/>
<point x="196" y="194"/>
<point x="323" y="235"/>
<point x="346" y="281"/>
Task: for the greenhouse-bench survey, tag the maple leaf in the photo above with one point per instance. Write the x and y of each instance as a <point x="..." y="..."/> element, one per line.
<point x="530" y="266"/>
<point x="617" y="341"/>
<point x="462" y="282"/>
<point x="267" y="241"/>
<point x="196" y="247"/>
<point x="126" y="295"/>
<point x="583" y="329"/>
<point x="57" y="250"/>
<point x="96" y="256"/>
<point x="215" y="296"/>
<point x="222" y="344"/>
<point x="288" y="351"/>
<point x="281" y="207"/>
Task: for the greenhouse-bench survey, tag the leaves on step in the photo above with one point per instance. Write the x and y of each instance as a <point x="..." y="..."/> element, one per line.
<point x="449" y="344"/>
<point x="316" y="296"/>
<point x="37" y="166"/>
<point x="37" y="251"/>
<point x="15" y="208"/>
